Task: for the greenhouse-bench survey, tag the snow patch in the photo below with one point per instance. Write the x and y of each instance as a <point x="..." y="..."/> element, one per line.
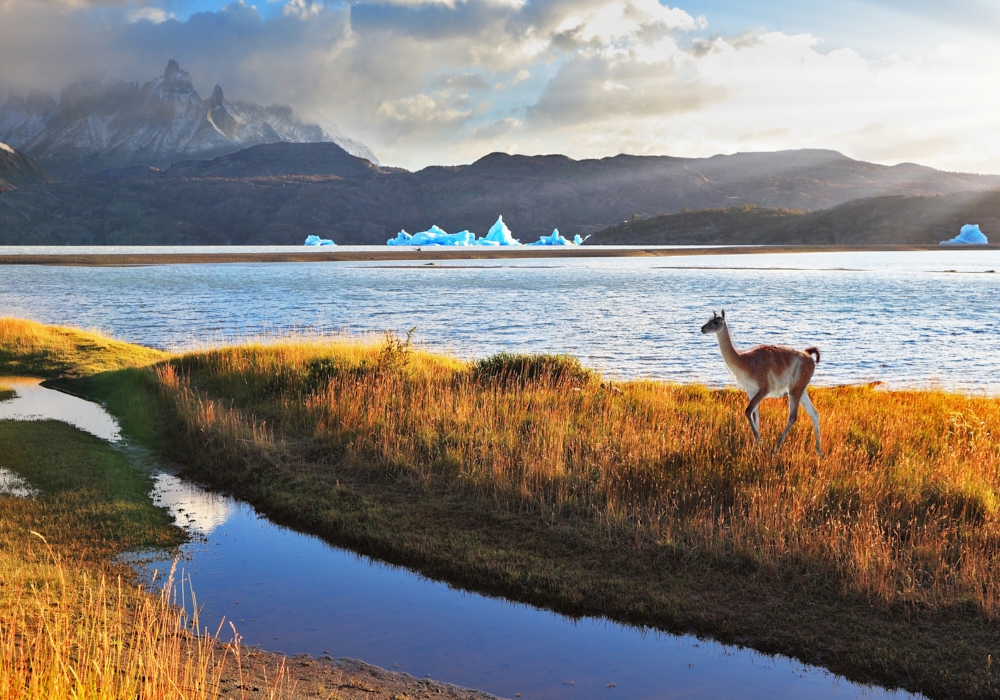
<point x="5" y="147"/>
<point x="969" y="235"/>
<point x="317" y="241"/>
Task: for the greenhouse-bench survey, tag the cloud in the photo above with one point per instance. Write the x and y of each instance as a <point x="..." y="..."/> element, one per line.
<point x="426" y="81"/>
<point x="148" y="14"/>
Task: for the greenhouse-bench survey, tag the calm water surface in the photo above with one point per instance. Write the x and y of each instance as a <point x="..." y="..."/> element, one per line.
<point x="294" y="593"/>
<point x="911" y="318"/>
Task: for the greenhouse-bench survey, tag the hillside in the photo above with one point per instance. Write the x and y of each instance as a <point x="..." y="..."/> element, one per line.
<point x="280" y="193"/>
<point x="99" y="124"/>
<point x="18" y="170"/>
<point x="885" y="219"/>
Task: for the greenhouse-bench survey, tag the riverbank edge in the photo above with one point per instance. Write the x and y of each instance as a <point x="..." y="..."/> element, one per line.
<point x="436" y="253"/>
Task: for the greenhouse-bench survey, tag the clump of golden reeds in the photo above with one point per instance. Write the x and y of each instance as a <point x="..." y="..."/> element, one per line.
<point x="68" y="633"/>
<point x="903" y="507"/>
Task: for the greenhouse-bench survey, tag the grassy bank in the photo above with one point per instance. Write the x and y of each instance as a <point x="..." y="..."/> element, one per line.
<point x="532" y="478"/>
<point x="70" y="626"/>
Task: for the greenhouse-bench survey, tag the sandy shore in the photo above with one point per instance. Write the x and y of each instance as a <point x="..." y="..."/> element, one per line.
<point x="387" y="254"/>
<point x="310" y="678"/>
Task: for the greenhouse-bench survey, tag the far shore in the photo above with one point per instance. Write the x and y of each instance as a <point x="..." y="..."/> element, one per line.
<point x="431" y="254"/>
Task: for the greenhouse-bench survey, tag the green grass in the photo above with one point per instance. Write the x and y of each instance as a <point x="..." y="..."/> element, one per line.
<point x="92" y="503"/>
<point x="6" y="393"/>
<point x="529" y="477"/>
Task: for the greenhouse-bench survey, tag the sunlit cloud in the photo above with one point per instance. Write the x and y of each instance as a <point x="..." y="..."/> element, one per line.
<point x="429" y="81"/>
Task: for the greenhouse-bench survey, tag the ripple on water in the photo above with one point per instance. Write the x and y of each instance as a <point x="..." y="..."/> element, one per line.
<point x="893" y="317"/>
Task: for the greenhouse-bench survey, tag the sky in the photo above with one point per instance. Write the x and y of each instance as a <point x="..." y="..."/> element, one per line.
<point x="426" y="82"/>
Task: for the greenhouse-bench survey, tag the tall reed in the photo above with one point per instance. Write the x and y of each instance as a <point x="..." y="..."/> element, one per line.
<point x="73" y="633"/>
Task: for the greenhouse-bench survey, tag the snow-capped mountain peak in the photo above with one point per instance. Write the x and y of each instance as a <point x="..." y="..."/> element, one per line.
<point x="99" y="124"/>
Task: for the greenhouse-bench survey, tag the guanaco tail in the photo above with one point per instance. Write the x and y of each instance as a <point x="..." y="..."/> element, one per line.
<point x="769" y="370"/>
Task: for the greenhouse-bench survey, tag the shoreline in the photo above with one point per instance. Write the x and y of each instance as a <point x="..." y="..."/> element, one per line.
<point x="390" y="254"/>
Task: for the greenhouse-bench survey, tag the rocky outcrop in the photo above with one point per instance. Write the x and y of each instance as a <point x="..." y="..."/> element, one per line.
<point x="99" y="124"/>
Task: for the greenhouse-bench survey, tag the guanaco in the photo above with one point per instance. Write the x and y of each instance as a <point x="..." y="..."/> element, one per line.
<point x="769" y="370"/>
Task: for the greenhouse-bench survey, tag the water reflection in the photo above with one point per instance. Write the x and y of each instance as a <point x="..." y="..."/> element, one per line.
<point x="35" y="402"/>
<point x="192" y="507"/>
<point x="294" y="593"/>
<point x="13" y="485"/>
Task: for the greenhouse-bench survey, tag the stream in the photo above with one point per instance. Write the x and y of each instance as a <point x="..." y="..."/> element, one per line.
<point x="291" y="592"/>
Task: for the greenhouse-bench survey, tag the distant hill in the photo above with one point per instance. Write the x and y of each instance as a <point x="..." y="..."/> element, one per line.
<point x="99" y="124"/>
<point x="886" y="219"/>
<point x="280" y="193"/>
<point x="18" y="170"/>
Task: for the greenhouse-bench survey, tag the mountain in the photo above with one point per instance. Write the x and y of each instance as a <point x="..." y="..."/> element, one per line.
<point x="887" y="219"/>
<point x="17" y="169"/>
<point x="99" y="124"/>
<point x="280" y="193"/>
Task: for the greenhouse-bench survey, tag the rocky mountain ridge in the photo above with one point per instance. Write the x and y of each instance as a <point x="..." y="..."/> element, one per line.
<point x="99" y="124"/>
<point x="280" y="193"/>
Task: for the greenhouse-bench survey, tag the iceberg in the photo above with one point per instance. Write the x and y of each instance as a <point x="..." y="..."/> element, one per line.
<point x="556" y="238"/>
<point x="433" y="236"/>
<point x="969" y="235"/>
<point x="317" y="241"/>
<point x="500" y="235"/>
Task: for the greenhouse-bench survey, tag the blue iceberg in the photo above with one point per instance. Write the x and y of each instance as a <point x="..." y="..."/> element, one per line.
<point x="556" y="238"/>
<point x="433" y="236"/>
<point x="500" y="235"/>
<point x="969" y="235"/>
<point x="317" y="241"/>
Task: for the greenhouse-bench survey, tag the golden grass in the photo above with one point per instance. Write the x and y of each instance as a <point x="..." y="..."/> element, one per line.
<point x="903" y="507"/>
<point x="71" y="627"/>
<point x="67" y="632"/>
<point x="33" y="349"/>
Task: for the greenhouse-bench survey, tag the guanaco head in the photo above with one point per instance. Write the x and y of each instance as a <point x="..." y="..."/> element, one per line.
<point x="716" y="324"/>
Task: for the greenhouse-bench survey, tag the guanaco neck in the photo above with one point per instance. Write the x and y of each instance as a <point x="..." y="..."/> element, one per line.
<point x="730" y="355"/>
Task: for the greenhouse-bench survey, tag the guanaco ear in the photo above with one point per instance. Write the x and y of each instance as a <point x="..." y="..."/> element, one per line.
<point x="714" y="315"/>
<point x="723" y="314"/>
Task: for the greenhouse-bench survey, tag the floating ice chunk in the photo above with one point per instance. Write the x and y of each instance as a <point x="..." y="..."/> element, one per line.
<point x="969" y="235"/>
<point x="434" y="236"/>
<point x="316" y="240"/>
<point x="500" y="235"/>
<point x="556" y="239"/>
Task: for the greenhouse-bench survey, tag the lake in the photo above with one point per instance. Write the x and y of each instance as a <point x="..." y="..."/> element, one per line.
<point x="904" y="318"/>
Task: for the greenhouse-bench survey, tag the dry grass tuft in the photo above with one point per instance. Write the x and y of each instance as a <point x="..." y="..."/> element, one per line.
<point x="69" y="633"/>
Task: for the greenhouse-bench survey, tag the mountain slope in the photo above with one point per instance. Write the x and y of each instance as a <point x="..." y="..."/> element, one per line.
<point x="280" y="193"/>
<point x="18" y="170"/>
<point x="886" y="219"/>
<point x="109" y="123"/>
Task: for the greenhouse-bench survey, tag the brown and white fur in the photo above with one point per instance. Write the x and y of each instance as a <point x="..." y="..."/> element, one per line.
<point x="769" y="370"/>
